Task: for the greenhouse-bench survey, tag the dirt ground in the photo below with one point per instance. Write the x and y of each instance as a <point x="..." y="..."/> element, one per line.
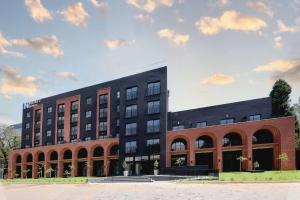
<point x="156" y="190"/>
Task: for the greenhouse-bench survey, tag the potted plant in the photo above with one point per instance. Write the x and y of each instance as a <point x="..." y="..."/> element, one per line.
<point x="255" y="165"/>
<point x="126" y="168"/>
<point x="241" y="159"/>
<point x="155" y="166"/>
<point x="49" y="171"/>
<point x="178" y="162"/>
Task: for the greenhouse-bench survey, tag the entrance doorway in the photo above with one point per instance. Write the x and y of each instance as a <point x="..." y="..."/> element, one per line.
<point x="113" y="168"/>
<point x="230" y="162"/>
<point x="82" y="168"/>
<point x="264" y="157"/>
<point x="98" y="168"/>
<point x="205" y="159"/>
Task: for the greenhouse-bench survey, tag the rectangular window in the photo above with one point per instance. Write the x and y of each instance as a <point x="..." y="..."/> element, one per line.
<point x="61" y="108"/>
<point x="88" y="127"/>
<point x="61" y="120"/>
<point x="74" y="130"/>
<point x="131" y="93"/>
<point x="27" y="125"/>
<point x="255" y="117"/>
<point x="49" y="132"/>
<point x="60" y="132"/>
<point x="153" y="88"/>
<point x="27" y="137"/>
<point x="88" y="114"/>
<point x="153" y="107"/>
<point x="103" y="113"/>
<point x="178" y="127"/>
<point x="37" y="124"/>
<point x="130" y="147"/>
<point x="118" y="108"/>
<point x="28" y="114"/>
<point x="152" y="142"/>
<point x="74" y="105"/>
<point x="227" y="121"/>
<point x="49" y="109"/>
<point x="153" y="126"/>
<point x="103" y="98"/>
<point x="118" y="122"/>
<point x="130" y="129"/>
<point x="118" y="94"/>
<point x="49" y="122"/>
<point x="103" y="126"/>
<point x="201" y="124"/>
<point x="88" y="100"/>
<point x="74" y="118"/>
<point x="131" y="111"/>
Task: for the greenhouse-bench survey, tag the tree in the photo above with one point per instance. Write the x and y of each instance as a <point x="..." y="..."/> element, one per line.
<point x="241" y="159"/>
<point x="280" y="96"/>
<point x="256" y="165"/>
<point x="178" y="162"/>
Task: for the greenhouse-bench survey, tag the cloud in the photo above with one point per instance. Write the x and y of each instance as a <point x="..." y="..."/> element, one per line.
<point x="6" y="43"/>
<point x="37" y="11"/>
<point x="278" y="41"/>
<point x="45" y="45"/>
<point x="145" y="18"/>
<point x="115" y="43"/>
<point x="230" y="20"/>
<point x="218" y="79"/>
<point x="66" y="75"/>
<point x="219" y="3"/>
<point x="262" y="7"/>
<point x="149" y="5"/>
<point x="13" y="83"/>
<point x="284" y="28"/>
<point x="285" y="69"/>
<point x="171" y="35"/>
<point x="75" y="14"/>
<point x="98" y="4"/>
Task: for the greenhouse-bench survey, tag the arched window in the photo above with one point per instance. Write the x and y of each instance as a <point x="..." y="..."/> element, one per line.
<point x="178" y="145"/>
<point x="98" y="152"/>
<point x="82" y="153"/>
<point x="41" y="157"/>
<point x="53" y="155"/>
<point x="29" y="158"/>
<point x="114" y="150"/>
<point x="232" y="139"/>
<point x="204" y="142"/>
<point x="18" y="159"/>
<point x="262" y="137"/>
<point x="68" y="154"/>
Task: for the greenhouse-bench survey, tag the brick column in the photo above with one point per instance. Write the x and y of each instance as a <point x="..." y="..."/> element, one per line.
<point x="74" y="166"/>
<point x="219" y="155"/>
<point x="248" y="154"/>
<point x="60" y="166"/>
<point x="23" y="168"/>
<point x="89" y="167"/>
<point x="47" y="166"/>
<point x="192" y="161"/>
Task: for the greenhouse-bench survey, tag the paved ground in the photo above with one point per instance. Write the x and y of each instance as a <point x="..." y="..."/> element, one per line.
<point x="158" y="190"/>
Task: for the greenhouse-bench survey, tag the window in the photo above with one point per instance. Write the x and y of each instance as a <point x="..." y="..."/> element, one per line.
<point x="61" y="120"/>
<point x="153" y="107"/>
<point x="88" y="100"/>
<point x="227" y="121"/>
<point x="103" y="112"/>
<point x="131" y="93"/>
<point x="88" y="114"/>
<point x="88" y="127"/>
<point x="60" y="132"/>
<point x="118" y="94"/>
<point x="27" y="125"/>
<point x="178" y="145"/>
<point x="49" y="132"/>
<point x="130" y="147"/>
<point x="37" y="124"/>
<point x="103" y="126"/>
<point x="153" y="88"/>
<point x="74" y="130"/>
<point x="131" y="129"/>
<point x="255" y="117"/>
<point x="152" y="142"/>
<point x="201" y="124"/>
<point x="178" y="127"/>
<point x="74" y="118"/>
<point x="103" y="98"/>
<point x="131" y="111"/>
<point x="118" y="122"/>
<point x="49" y="109"/>
<point x="118" y="108"/>
<point x="28" y="114"/>
<point x="49" y="121"/>
<point x="74" y="105"/>
<point x="61" y="108"/>
<point x="153" y="126"/>
<point x="38" y="114"/>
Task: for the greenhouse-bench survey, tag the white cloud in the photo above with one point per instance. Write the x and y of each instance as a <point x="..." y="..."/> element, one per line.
<point x="13" y="83"/>
<point x="37" y="11"/>
<point x="6" y="43"/>
<point x="145" y="18"/>
<point x="98" y="4"/>
<point x="171" y="35"/>
<point x="75" y="14"/>
<point x="218" y="79"/>
<point x="284" y="28"/>
<point x="66" y="75"/>
<point x="261" y="6"/>
<point x="115" y="43"/>
<point x="45" y="45"/>
<point x="180" y="20"/>
<point x="278" y="41"/>
<point x="149" y="5"/>
<point x="230" y="20"/>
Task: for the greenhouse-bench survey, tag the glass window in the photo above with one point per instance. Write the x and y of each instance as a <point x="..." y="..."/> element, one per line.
<point x="49" y="132"/>
<point x="103" y="126"/>
<point x="88" y="127"/>
<point x="103" y="112"/>
<point x="153" y="107"/>
<point x="27" y="137"/>
<point x="49" y="121"/>
<point x="153" y="88"/>
<point x="153" y="126"/>
<point x="88" y="100"/>
<point x="201" y="124"/>
<point x="61" y="108"/>
<point x="131" y="129"/>
<point x="118" y="108"/>
<point x="74" y="130"/>
<point x="74" y="118"/>
<point x="130" y="147"/>
<point x="178" y="145"/>
<point x="61" y="120"/>
<point x="88" y="114"/>
<point x="38" y="124"/>
<point x="118" y="94"/>
<point x="118" y="122"/>
<point x="28" y="114"/>
<point x="131" y="111"/>
<point x="131" y="93"/>
<point x="178" y="127"/>
<point x="27" y="125"/>
<point x="49" y="109"/>
<point x="74" y="105"/>
<point x="255" y="117"/>
<point x="37" y="114"/>
<point x="152" y="142"/>
<point x="204" y="142"/>
<point x="60" y="132"/>
<point x="103" y="98"/>
<point x="227" y="121"/>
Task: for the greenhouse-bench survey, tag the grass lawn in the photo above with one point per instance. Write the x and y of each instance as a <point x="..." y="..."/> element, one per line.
<point x="46" y="180"/>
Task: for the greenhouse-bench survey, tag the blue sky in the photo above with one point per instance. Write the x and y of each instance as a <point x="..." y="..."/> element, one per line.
<point x="217" y="51"/>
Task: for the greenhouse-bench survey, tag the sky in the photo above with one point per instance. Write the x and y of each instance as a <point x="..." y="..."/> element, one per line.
<point x="217" y="51"/>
